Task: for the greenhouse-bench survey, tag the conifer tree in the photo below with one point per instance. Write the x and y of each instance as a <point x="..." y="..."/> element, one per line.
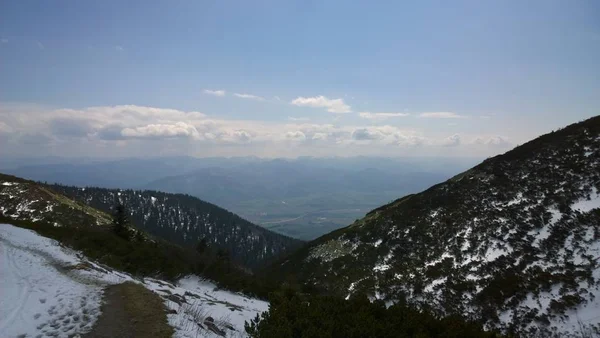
<point x="201" y="246"/>
<point x="120" y="221"/>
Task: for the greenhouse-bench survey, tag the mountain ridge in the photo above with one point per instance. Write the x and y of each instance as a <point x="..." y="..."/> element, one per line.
<point x="185" y="220"/>
<point x="160" y="214"/>
<point x="512" y="242"/>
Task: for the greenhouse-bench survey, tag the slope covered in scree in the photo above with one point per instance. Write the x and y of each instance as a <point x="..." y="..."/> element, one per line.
<point x="185" y="220"/>
<point x="513" y="242"/>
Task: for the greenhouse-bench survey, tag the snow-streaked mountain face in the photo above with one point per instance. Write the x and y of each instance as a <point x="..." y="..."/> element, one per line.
<point x="513" y="242"/>
<point x="28" y="201"/>
<point x="51" y="291"/>
<point x="185" y="220"/>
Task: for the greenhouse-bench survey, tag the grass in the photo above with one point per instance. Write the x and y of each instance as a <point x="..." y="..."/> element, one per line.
<point x="102" y="217"/>
<point x="146" y="311"/>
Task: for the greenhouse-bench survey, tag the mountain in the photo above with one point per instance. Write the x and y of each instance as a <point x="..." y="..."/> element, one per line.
<point x="185" y="220"/>
<point x="513" y="242"/>
<point x="25" y="200"/>
<point x="179" y="219"/>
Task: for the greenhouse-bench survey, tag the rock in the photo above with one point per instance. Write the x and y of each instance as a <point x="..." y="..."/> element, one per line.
<point x="189" y="294"/>
<point x="209" y="319"/>
<point x="171" y="312"/>
<point x="212" y="327"/>
<point x="177" y="299"/>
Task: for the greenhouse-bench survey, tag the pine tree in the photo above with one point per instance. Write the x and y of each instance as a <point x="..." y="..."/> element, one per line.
<point x="120" y="221"/>
<point x="201" y="246"/>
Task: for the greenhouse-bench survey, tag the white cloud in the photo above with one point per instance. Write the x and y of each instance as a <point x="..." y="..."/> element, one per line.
<point x="319" y="136"/>
<point x="220" y="93"/>
<point x="441" y="115"/>
<point x="4" y="40"/>
<point x="493" y="141"/>
<point x="380" y="116"/>
<point x="295" y="135"/>
<point x="5" y="127"/>
<point x="119" y="48"/>
<point x="248" y="96"/>
<point x="40" y="45"/>
<point x="452" y="141"/>
<point x="388" y="135"/>
<point x="238" y="136"/>
<point x="332" y="105"/>
<point x="364" y="134"/>
<point x="298" y="119"/>
<point x="154" y="131"/>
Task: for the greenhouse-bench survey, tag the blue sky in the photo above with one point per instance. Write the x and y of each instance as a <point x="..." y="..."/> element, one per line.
<point x="312" y="77"/>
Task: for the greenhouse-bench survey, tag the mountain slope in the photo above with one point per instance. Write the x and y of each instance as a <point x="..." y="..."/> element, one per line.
<point x="513" y="242"/>
<point x="29" y="201"/>
<point x="185" y="220"/>
<point x="49" y="290"/>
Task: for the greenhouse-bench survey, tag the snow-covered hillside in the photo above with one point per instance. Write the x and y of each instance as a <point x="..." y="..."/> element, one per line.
<point x="51" y="291"/>
<point x="513" y="242"/>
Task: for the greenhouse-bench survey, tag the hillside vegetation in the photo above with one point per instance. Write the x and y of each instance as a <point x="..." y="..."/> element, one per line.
<point x="513" y="242"/>
<point x="31" y="205"/>
<point x="185" y="220"/>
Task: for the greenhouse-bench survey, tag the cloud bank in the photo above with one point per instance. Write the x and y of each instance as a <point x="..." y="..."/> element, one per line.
<point x="131" y="130"/>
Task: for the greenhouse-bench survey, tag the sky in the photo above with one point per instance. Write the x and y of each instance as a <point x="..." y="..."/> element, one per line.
<point x="293" y="78"/>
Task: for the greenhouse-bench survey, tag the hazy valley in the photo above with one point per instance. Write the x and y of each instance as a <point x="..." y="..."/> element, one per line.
<point x="302" y="198"/>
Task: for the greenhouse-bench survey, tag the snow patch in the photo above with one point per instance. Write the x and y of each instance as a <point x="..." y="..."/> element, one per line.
<point x="518" y="199"/>
<point x="49" y="290"/>
<point x="381" y="267"/>
<point x="42" y="295"/>
<point x="585" y="205"/>
<point x="204" y="299"/>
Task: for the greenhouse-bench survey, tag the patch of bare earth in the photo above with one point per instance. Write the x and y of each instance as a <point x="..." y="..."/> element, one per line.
<point x="130" y="310"/>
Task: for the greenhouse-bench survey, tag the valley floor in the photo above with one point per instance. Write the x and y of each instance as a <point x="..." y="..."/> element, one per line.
<point x="52" y="291"/>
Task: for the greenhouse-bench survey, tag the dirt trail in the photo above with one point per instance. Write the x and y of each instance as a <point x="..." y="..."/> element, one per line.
<point x="129" y="310"/>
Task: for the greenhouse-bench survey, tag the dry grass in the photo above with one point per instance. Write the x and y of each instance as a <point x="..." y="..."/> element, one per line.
<point x="146" y="310"/>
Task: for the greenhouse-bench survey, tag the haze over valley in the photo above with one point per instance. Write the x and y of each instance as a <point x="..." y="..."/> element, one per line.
<point x="303" y="198"/>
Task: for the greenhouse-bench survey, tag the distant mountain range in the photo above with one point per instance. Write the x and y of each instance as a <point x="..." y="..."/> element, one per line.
<point x="513" y="242"/>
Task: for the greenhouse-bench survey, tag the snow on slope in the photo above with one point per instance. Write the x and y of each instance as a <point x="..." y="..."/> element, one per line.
<point x="51" y="291"/>
<point x="194" y="300"/>
<point x="41" y="295"/>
